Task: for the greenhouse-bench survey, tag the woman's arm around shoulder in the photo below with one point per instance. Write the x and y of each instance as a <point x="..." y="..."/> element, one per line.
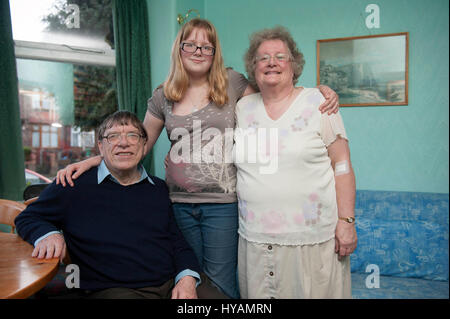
<point x="331" y="104"/>
<point x="153" y="126"/>
<point x="74" y="170"/>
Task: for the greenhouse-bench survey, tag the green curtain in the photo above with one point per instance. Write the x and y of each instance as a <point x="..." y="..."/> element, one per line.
<point x="131" y="37"/>
<point x="12" y="176"/>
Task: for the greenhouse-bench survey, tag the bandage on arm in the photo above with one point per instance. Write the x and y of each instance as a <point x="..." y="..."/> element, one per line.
<point x="341" y="168"/>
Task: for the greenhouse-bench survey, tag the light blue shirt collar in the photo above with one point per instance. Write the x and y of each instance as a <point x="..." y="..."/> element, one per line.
<point x="104" y="172"/>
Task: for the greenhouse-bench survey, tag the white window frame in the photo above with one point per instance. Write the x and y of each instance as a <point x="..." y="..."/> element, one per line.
<point x="64" y="53"/>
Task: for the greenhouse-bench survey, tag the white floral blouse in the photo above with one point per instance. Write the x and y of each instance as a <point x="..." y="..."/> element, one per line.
<point x="285" y="182"/>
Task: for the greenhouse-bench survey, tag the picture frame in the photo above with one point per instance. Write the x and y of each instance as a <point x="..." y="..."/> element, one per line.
<point x="365" y="70"/>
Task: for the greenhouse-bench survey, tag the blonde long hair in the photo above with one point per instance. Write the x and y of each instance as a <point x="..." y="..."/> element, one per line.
<point x="177" y="81"/>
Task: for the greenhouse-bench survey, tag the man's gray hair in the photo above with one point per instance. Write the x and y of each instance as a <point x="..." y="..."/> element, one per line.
<point x="121" y="118"/>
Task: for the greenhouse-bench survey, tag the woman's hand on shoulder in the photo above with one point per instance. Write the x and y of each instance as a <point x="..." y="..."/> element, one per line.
<point x="331" y="104"/>
<point x="72" y="171"/>
<point x="67" y="174"/>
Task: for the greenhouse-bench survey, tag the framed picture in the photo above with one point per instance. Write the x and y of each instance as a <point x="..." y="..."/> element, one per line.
<point x="365" y="70"/>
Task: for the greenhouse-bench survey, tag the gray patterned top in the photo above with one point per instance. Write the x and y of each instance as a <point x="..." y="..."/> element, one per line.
<point x="200" y="167"/>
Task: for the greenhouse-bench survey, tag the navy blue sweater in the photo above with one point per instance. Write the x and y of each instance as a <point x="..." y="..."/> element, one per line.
<point x="119" y="236"/>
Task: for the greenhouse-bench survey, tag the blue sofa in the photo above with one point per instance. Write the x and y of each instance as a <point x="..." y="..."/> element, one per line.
<point x="402" y="250"/>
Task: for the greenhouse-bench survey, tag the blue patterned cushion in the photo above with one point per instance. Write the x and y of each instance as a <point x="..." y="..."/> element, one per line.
<point x="405" y="234"/>
<point x="399" y="288"/>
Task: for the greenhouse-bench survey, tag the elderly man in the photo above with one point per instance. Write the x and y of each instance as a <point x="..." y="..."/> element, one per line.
<point x="117" y="223"/>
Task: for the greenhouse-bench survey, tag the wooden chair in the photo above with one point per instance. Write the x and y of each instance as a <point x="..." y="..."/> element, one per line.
<point x="9" y="209"/>
<point x="33" y="190"/>
<point x="31" y="200"/>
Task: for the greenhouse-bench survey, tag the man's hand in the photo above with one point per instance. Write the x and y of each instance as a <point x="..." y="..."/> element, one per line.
<point x="185" y="288"/>
<point x="52" y="246"/>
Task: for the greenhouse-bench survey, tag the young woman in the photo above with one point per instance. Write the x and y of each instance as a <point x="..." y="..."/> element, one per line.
<point x="196" y="105"/>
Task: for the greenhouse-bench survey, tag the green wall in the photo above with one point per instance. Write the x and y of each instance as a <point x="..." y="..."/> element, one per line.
<point x="162" y="24"/>
<point x="399" y="148"/>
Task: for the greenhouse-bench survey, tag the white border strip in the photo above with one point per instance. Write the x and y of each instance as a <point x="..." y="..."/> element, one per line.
<point x="63" y="53"/>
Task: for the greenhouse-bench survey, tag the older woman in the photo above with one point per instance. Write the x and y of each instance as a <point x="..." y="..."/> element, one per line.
<point x="296" y="222"/>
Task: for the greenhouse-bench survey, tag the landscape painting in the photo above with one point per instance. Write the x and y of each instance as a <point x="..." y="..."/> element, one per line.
<point x="366" y="70"/>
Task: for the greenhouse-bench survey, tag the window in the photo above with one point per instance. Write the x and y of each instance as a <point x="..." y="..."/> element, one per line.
<point x="45" y="136"/>
<point x="66" y="70"/>
<point x="80" y="31"/>
<point x="82" y="139"/>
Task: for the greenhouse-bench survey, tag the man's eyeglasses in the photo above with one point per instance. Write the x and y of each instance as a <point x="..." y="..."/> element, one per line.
<point x="191" y="48"/>
<point x="114" y="138"/>
<point x="280" y="57"/>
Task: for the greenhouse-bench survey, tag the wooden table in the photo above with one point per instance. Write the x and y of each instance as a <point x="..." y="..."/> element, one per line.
<point x="20" y="274"/>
